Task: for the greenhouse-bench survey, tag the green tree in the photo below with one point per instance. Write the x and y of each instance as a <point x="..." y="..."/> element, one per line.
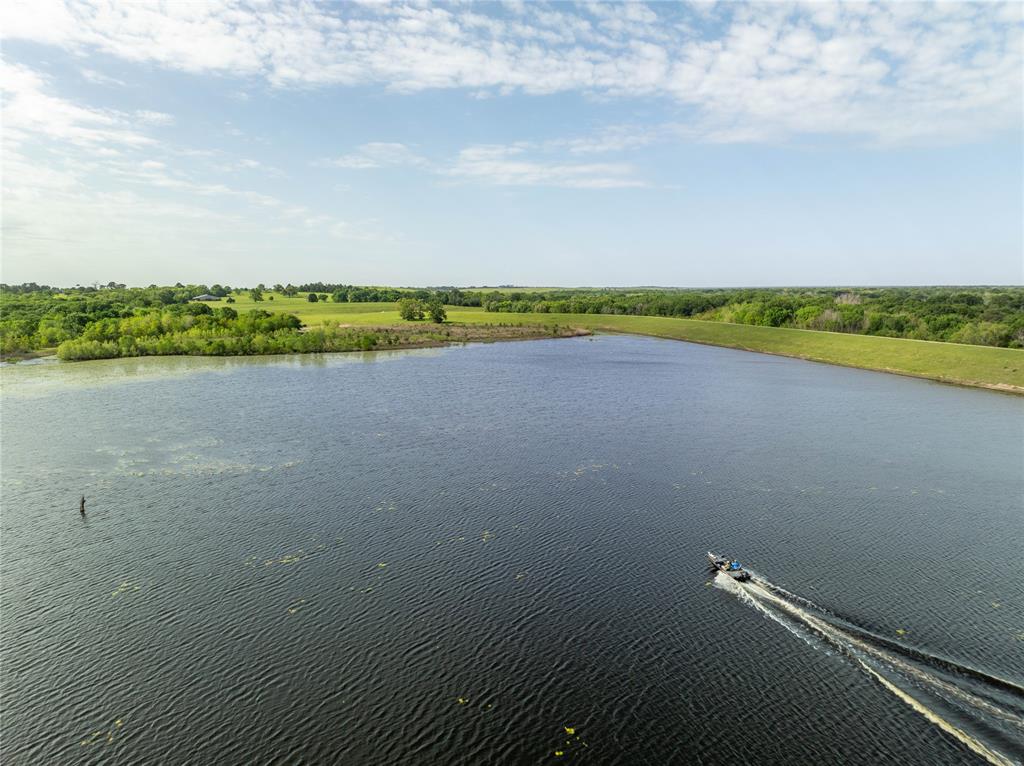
<point x="312" y="298"/>
<point x="410" y="309"/>
<point x="256" y="294"/>
<point x="437" y="312"/>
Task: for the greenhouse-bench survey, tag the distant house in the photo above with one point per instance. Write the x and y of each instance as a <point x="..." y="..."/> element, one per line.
<point x="206" y="297"/>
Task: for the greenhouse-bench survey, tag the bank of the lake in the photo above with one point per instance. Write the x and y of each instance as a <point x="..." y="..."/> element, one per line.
<point x="22" y="356"/>
<point x="274" y="328"/>
<point x="989" y="367"/>
<point x="215" y="340"/>
<point x="1000" y="369"/>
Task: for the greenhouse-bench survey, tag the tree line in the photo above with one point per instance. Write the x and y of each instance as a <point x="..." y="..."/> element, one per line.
<point x="988" y="316"/>
<point x="34" y="316"/>
<point x="198" y="330"/>
<point x="104" y="321"/>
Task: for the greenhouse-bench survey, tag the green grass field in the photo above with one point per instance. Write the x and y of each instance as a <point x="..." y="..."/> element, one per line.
<point x="986" y="366"/>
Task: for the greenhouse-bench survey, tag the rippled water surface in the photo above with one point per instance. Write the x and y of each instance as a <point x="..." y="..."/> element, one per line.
<point x="497" y="554"/>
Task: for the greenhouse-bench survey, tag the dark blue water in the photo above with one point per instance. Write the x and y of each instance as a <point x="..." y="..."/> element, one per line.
<point x="453" y="556"/>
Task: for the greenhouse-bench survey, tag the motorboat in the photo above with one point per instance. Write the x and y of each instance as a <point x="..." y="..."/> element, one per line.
<point x="731" y="567"/>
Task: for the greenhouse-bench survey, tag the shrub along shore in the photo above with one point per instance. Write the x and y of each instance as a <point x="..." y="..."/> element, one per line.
<point x="262" y="333"/>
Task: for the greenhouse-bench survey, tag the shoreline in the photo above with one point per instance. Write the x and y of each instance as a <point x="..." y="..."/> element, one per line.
<point x="529" y="329"/>
<point x="13" y="357"/>
<point x="464" y="334"/>
<point x="1002" y="388"/>
<point x="985" y="367"/>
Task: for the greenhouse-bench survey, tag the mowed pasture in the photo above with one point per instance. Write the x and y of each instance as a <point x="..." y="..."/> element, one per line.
<point x="990" y="367"/>
<point x="320" y="312"/>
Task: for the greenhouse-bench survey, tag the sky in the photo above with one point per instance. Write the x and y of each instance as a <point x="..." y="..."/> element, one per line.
<point x="543" y="144"/>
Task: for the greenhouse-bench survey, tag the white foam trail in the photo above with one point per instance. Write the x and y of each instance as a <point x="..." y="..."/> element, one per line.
<point x="992" y="756"/>
<point x="836" y="634"/>
<point x="756" y="594"/>
<point x="725" y="582"/>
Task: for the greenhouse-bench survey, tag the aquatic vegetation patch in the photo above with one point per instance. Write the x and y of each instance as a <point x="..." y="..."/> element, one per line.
<point x="453" y="539"/>
<point x="485" y="707"/>
<point x="292" y="557"/>
<point x="125" y="587"/>
<point x="101" y="736"/>
<point x="571" y="745"/>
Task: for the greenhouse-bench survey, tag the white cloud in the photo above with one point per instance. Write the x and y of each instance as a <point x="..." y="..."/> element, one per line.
<point x="377" y="155"/>
<point x="98" y="78"/>
<point x="519" y="164"/>
<point x="147" y="117"/>
<point x="886" y="72"/>
<point x="30" y="110"/>
<point x="58" y="218"/>
<point x="509" y="166"/>
<point x="61" y="159"/>
<point x="616" y="138"/>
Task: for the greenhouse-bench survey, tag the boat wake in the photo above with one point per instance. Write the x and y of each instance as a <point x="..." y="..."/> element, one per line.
<point x="983" y="712"/>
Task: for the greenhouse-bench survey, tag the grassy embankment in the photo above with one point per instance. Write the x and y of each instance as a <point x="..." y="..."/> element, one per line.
<point x="984" y="366"/>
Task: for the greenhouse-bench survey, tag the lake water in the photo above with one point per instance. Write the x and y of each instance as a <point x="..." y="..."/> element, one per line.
<point x="454" y="556"/>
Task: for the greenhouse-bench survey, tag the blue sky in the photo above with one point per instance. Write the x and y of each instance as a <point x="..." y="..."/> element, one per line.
<point x="514" y="143"/>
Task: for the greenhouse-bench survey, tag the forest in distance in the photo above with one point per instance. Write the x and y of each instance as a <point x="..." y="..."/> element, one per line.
<point x="984" y="316"/>
<point x="34" y="317"/>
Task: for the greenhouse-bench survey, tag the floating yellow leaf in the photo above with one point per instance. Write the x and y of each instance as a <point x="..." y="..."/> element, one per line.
<point x="900" y="632"/>
<point x="559" y="753"/>
<point x="570" y="730"/>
